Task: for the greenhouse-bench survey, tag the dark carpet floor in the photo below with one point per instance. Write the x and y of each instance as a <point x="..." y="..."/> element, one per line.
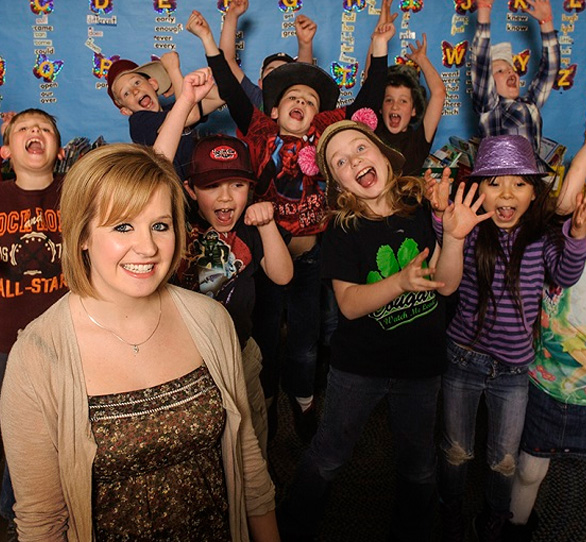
<point x="358" y="509"/>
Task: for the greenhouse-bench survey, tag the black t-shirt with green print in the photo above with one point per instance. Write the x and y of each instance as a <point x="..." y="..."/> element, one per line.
<point x="404" y="338"/>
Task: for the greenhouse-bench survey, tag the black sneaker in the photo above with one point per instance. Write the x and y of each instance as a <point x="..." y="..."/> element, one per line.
<point x="489" y="525"/>
<point x="305" y="421"/>
<point x="452" y="521"/>
<point x="520" y="533"/>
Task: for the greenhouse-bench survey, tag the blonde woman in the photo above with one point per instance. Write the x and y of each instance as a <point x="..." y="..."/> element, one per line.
<point x="124" y="412"/>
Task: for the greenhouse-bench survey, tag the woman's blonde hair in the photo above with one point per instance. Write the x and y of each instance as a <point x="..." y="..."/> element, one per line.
<point x="113" y="183"/>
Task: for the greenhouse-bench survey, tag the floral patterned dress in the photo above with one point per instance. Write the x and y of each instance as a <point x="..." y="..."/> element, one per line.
<point x="157" y="474"/>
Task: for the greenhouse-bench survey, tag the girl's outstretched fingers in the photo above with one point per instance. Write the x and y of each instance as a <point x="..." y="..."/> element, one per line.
<point x="413" y="277"/>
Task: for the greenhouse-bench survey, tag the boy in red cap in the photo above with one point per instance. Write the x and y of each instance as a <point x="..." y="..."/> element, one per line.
<point x="227" y="241"/>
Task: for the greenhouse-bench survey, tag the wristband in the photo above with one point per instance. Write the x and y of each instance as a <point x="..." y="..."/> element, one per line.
<point x="546" y="20"/>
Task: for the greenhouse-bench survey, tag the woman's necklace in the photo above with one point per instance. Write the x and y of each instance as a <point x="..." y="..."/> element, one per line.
<point x="134" y="346"/>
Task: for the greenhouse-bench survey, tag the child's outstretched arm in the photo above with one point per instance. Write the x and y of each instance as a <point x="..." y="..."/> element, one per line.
<point x="276" y="262"/>
<point x="170" y="62"/>
<point x="549" y="65"/>
<point x="437" y="89"/>
<point x="372" y="91"/>
<point x="305" y="29"/>
<point x="384" y="17"/>
<point x="235" y="10"/>
<point x="573" y="183"/>
<point x="230" y="89"/>
<point x="357" y="300"/>
<point x="198" y="26"/>
<point x="196" y="85"/>
<point x="484" y="94"/>
<point x="459" y="219"/>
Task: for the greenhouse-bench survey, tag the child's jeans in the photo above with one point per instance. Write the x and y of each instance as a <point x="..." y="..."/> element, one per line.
<point x="469" y="375"/>
<point x="300" y="299"/>
<point x="350" y="399"/>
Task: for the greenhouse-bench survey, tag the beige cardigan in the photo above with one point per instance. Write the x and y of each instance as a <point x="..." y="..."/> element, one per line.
<point x="47" y="434"/>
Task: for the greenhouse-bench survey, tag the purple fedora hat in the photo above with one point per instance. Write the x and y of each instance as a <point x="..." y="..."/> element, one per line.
<point x="505" y="155"/>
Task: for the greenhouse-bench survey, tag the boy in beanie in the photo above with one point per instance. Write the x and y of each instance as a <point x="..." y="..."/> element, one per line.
<point x="495" y="82"/>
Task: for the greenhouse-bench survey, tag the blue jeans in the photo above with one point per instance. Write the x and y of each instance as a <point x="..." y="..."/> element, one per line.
<point x="469" y="376"/>
<point x="350" y="399"/>
<point x="301" y="301"/>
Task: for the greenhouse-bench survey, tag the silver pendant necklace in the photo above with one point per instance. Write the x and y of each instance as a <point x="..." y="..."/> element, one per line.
<point x="134" y="345"/>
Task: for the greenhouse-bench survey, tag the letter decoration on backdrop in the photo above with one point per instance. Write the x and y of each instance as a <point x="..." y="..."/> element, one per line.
<point x="56" y="54"/>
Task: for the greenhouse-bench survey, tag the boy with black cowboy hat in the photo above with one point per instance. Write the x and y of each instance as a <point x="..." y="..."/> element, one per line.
<point x="305" y="30"/>
<point x="299" y="103"/>
<point x="135" y="91"/>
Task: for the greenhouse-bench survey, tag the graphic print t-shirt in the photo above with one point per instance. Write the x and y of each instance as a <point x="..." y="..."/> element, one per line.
<point x="404" y="338"/>
<point x="30" y="256"/>
<point x="221" y="265"/>
<point x="559" y="368"/>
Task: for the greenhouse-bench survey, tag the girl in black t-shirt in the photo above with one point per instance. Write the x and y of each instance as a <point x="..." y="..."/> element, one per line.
<point x="386" y="267"/>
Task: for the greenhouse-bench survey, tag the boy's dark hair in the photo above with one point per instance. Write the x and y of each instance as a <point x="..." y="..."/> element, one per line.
<point x="538" y="221"/>
<point x="31" y="111"/>
<point x="400" y="75"/>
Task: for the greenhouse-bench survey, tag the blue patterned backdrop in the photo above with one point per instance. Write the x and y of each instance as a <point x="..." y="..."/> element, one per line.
<point x="54" y="53"/>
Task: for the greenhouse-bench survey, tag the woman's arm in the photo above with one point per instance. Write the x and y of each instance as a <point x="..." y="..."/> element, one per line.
<point x="31" y="451"/>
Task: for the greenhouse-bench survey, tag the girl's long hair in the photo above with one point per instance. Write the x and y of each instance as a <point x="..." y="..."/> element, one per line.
<point x="539" y="220"/>
<point x="402" y="194"/>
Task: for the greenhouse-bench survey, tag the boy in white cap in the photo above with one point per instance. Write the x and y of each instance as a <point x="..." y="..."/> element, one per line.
<point x="495" y="82"/>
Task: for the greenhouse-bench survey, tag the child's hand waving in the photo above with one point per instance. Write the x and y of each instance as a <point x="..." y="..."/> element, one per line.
<point x="578" y="230"/>
<point x="438" y="191"/>
<point x="418" y="52"/>
<point x="414" y="277"/>
<point x="460" y="216"/>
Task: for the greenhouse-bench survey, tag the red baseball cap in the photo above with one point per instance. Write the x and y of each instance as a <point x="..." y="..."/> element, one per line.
<point x="151" y="70"/>
<point x="218" y="158"/>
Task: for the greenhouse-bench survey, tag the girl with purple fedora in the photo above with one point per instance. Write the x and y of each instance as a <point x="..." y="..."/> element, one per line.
<point x="490" y="339"/>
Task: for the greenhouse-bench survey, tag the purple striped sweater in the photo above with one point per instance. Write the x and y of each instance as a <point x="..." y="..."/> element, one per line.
<point x="506" y="336"/>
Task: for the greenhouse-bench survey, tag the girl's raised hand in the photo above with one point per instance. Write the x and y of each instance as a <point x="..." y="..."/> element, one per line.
<point x="578" y="230"/>
<point x="437" y="191"/>
<point x="413" y="277"/>
<point x="460" y="217"/>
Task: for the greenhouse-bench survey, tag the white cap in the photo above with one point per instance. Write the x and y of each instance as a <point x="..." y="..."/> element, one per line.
<point x="502" y="51"/>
